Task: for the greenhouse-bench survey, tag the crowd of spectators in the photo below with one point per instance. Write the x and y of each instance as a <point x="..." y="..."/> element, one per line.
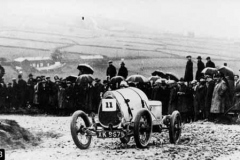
<point x="205" y="97"/>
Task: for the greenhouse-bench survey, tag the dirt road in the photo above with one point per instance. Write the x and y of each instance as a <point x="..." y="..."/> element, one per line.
<point x="200" y="140"/>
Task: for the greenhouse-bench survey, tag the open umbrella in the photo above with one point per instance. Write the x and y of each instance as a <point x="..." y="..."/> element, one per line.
<point x="154" y="78"/>
<point x="116" y="79"/>
<point x="209" y="71"/>
<point x="71" y="78"/>
<point x="159" y="73"/>
<point x="172" y="76"/>
<point x="85" y="78"/>
<point x="136" y="78"/>
<point x="85" y="68"/>
<point x="228" y="72"/>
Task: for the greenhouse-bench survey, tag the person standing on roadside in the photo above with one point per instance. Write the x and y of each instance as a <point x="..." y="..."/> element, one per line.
<point x="210" y="63"/>
<point x="200" y="67"/>
<point x="123" y="71"/>
<point x="22" y="85"/>
<point x="111" y="70"/>
<point x="188" y="77"/>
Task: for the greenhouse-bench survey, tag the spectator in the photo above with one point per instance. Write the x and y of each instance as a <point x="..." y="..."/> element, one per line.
<point x="199" y="107"/>
<point x="200" y="67"/>
<point x="188" y="77"/>
<point x="210" y="63"/>
<point x="182" y="99"/>
<point x="219" y="96"/>
<point x="111" y="70"/>
<point x="173" y="89"/>
<point x="22" y="85"/>
<point x="123" y="71"/>
<point x="210" y="84"/>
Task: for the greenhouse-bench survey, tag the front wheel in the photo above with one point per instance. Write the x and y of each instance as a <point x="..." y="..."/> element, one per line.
<point x="79" y="124"/>
<point x="175" y="127"/>
<point x="142" y="128"/>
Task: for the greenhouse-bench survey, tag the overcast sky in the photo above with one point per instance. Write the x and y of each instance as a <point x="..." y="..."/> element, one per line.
<point x="218" y="18"/>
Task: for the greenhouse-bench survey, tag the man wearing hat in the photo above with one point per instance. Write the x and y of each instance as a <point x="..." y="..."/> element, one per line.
<point x="30" y="90"/>
<point x="219" y="97"/>
<point x="15" y="95"/>
<point x="210" y="63"/>
<point x="200" y="67"/>
<point x="111" y="70"/>
<point x="22" y="87"/>
<point x="98" y="91"/>
<point x="210" y="84"/>
<point x="9" y="95"/>
<point x="188" y="77"/>
<point x="123" y="70"/>
<point x="199" y="106"/>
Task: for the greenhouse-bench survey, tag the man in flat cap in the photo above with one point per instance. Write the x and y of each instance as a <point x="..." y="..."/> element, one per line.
<point x="210" y="63"/>
<point x="200" y="67"/>
<point x="188" y="77"/>
<point x="111" y="70"/>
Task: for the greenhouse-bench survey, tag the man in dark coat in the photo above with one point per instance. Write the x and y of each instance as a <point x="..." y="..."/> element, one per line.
<point x="22" y="86"/>
<point x="30" y="90"/>
<point x="98" y="91"/>
<point x="210" y="63"/>
<point x="9" y="94"/>
<point x="111" y="70"/>
<point x="15" y="96"/>
<point x="123" y="71"/>
<point x="200" y="67"/>
<point x="164" y="97"/>
<point x="43" y="92"/>
<point x="2" y="70"/>
<point x="199" y="107"/>
<point x="188" y="77"/>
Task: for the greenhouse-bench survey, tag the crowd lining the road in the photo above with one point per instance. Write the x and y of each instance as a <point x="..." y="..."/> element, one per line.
<point x="206" y="97"/>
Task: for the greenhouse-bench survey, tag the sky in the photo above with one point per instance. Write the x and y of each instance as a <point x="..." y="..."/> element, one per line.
<point x="216" y="18"/>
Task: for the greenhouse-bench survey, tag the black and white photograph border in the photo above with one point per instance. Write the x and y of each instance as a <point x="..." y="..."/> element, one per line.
<point x="129" y="79"/>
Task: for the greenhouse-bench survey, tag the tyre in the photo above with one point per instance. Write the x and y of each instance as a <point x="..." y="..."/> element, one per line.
<point x="125" y="140"/>
<point x="80" y="122"/>
<point x="142" y="128"/>
<point x="175" y="127"/>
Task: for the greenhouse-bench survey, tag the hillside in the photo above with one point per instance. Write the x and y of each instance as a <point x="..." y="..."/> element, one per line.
<point x="142" y="50"/>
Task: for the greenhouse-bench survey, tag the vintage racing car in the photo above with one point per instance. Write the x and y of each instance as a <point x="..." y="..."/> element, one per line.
<point x="124" y="113"/>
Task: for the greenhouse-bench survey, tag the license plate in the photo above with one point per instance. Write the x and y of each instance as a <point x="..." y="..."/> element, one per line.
<point x="111" y="134"/>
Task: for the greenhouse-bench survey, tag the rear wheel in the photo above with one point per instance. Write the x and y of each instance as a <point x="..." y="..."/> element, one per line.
<point x="175" y="127"/>
<point x="79" y="124"/>
<point x="142" y="128"/>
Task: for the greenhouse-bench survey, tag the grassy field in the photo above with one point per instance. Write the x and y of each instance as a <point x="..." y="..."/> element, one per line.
<point x="142" y="52"/>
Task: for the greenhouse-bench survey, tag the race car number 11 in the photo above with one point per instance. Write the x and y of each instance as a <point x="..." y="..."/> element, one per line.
<point x="109" y="105"/>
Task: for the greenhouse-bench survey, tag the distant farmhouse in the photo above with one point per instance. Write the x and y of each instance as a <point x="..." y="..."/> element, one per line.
<point x="31" y="64"/>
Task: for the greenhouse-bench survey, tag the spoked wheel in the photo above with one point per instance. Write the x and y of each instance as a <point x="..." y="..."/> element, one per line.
<point x="142" y="128"/>
<point x="175" y="127"/>
<point x="125" y="140"/>
<point x="79" y="123"/>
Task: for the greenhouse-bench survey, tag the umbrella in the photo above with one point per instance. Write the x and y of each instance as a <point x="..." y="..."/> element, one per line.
<point x="154" y="78"/>
<point x="172" y="76"/>
<point x="136" y="78"/>
<point x="209" y="71"/>
<point x="116" y="79"/>
<point x="159" y="73"/>
<point x="71" y="78"/>
<point x="85" y="78"/>
<point x="228" y="72"/>
<point x="85" y="68"/>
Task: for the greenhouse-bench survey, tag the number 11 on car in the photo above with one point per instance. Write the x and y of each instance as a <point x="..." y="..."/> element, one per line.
<point x="109" y="105"/>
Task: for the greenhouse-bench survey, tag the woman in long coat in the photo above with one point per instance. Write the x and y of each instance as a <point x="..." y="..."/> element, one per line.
<point x="219" y="96"/>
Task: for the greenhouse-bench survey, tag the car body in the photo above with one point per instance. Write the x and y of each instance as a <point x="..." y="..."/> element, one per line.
<point x="124" y="113"/>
